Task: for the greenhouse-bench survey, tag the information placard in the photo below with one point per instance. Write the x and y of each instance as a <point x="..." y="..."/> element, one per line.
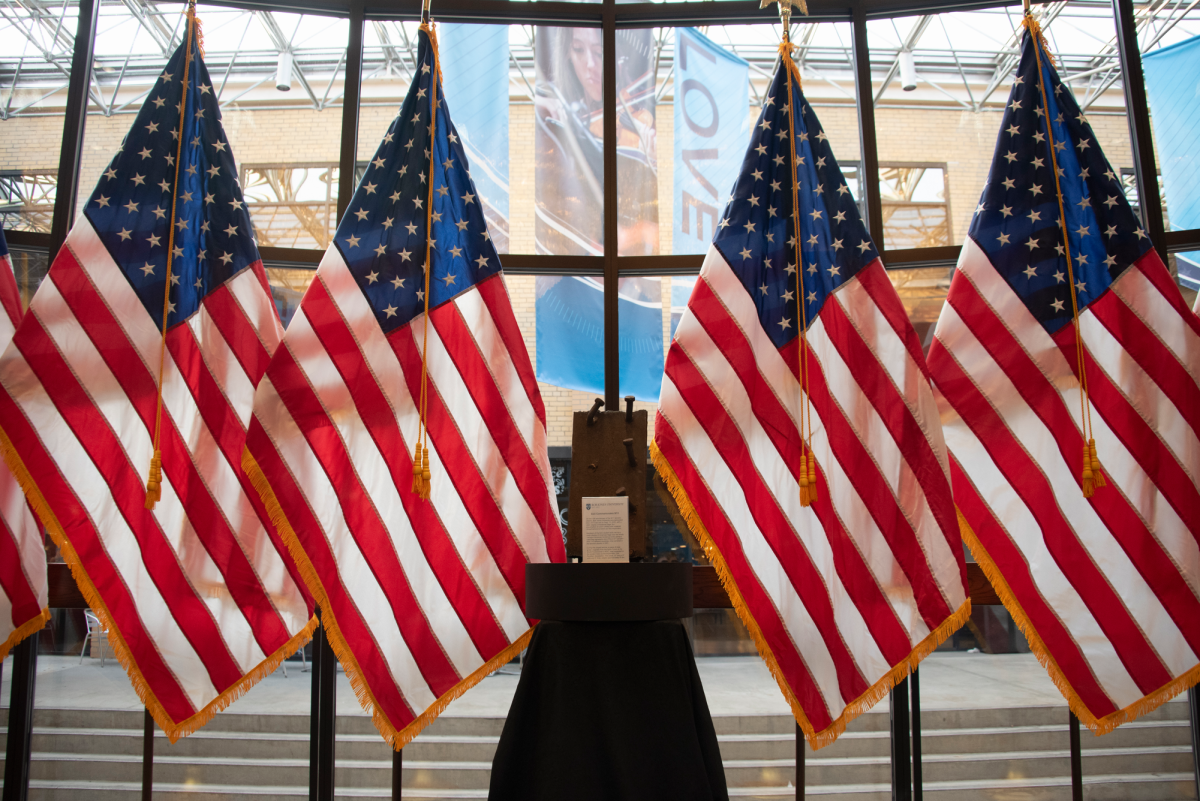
<point x="606" y="529"/>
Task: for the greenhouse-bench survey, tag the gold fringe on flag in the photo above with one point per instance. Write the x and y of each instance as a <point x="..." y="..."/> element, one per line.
<point x="174" y="730"/>
<point x="877" y="691"/>
<point x="396" y="737"/>
<point x="35" y="623"/>
<point x="1100" y="726"/>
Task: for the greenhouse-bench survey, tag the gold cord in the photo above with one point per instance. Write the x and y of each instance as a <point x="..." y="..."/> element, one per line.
<point x="421" y="474"/>
<point x="1092" y="477"/>
<point x="808" y="460"/>
<point x="154" y="480"/>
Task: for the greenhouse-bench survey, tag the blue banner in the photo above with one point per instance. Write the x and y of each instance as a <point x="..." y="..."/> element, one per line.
<point x="712" y="123"/>
<point x="474" y="61"/>
<point x="1173" y="85"/>
<point x="570" y="334"/>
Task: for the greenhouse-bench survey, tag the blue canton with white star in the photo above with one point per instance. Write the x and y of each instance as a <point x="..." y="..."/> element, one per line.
<point x="1017" y="221"/>
<point x="131" y="207"/>
<point x="382" y="237"/>
<point x="755" y="234"/>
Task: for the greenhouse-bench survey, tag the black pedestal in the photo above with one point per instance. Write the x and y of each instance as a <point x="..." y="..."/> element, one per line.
<point x="609" y="711"/>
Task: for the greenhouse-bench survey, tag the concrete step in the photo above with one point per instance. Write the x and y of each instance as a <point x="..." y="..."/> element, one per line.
<point x="263" y="745"/>
<point x="972" y="754"/>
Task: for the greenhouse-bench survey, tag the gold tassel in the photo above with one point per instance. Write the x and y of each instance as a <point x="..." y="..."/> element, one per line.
<point x="424" y="493"/>
<point x="1097" y="473"/>
<point x="812" y="478"/>
<point x="1089" y="483"/>
<point x="418" y="470"/>
<point x="154" y="482"/>
<point x="805" y="498"/>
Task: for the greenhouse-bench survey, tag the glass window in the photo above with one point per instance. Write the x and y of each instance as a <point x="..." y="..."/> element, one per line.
<point x="568" y="140"/>
<point x="687" y="100"/>
<point x="915" y="211"/>
<point x="27" y="199"/>
<point x="35" y="43"/>
<point x="941" y="82"/>
<point x="1169" y="38"/>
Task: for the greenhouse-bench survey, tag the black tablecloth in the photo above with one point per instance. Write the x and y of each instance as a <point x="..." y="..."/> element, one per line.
<point x="610" y="712"/>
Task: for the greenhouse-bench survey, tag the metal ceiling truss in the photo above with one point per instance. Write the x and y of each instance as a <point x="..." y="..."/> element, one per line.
<point x="29" y="79"/>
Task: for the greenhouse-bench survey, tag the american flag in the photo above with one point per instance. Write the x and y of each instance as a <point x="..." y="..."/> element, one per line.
<point x="1105" y="588"/>
<point x="23" y="592"/>
<point x="421" y="598"/>
<point x="845" y="596"/>
<point x="197" y="596"/>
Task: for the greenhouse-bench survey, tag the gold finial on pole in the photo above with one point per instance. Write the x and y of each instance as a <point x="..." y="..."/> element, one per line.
<point x="785" y="13"/>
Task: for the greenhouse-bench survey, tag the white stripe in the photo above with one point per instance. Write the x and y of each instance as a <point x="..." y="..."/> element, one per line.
<point x="725" y="490"/>
<point x="121" y="547"/>
<point x="110" y="400"/>
<point x="541" y="453"/>
<point x="358" y="582"/>
<point x="893" y="356"/>
<point x="259" y="308"/>
<point x="778" y="479"/>
<point x="222" y="363"/>
<point x="495" y="355"/>
<point x="377" y="482"/>
<point x="448" y="504"/>
<point x="1144" y="299"/>
<point x="1038" y="441"/>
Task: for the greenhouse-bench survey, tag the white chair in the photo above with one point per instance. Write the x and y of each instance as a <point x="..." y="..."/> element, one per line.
<point x="94" y="629"/>
<point x="303" y="663"/>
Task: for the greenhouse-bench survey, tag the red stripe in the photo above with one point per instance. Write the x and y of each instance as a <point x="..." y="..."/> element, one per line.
<point x="380" y="420"/>
<point x="477" y="497"/>
<point x="206" y="517"/>
<point x="805" y="579"/>
<point x="1031" y="484"/>
<point x="1151" y="354"/>
<point x="226" y="315"/>
<point x="875" y="281"/>
<point x="476" y="374"/>
<point x="495" y="297"/>
<point x="78" y="528"/>
<point x="886" y="629"/>
<point x="13" y="581"/>
<point x="362" y="520"/>
<point x="761" y="607"/>
<point x="350" y="621"/>
<point x="874" y="490"/>
<point x="877" y="385"/>
<point x="1012" y="565"/>
<point x="1156" y="272"/>
<point x="10" y="296"/>
<point x="128" y="492"/>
